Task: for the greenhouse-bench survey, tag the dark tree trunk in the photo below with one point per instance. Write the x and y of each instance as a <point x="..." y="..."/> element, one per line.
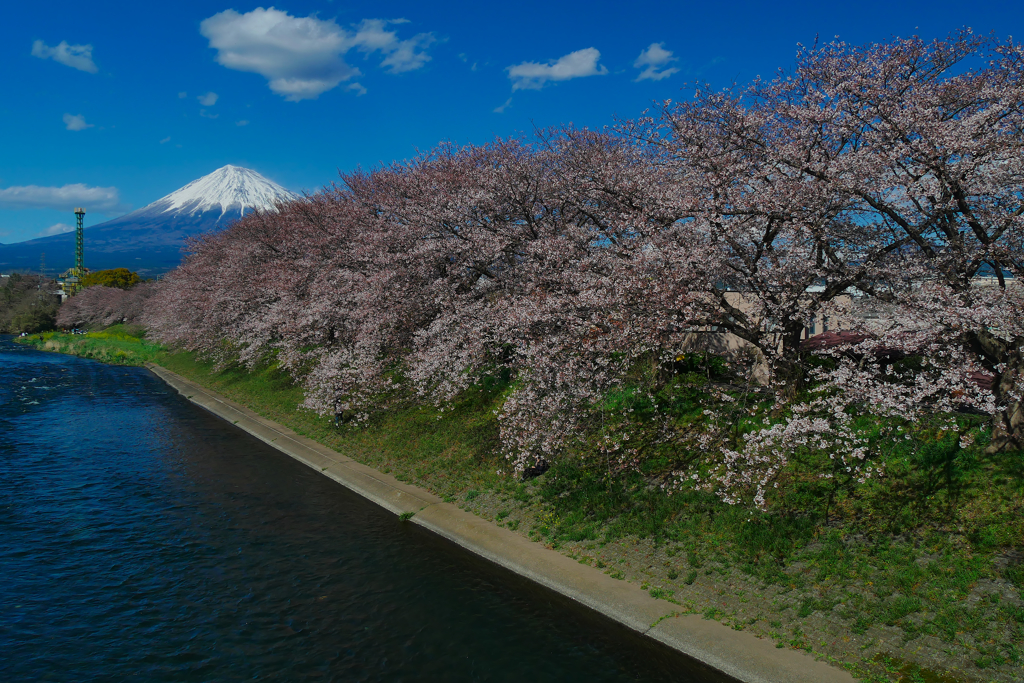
<point x="1008" y="421"/>
<point x="789" y="367"/>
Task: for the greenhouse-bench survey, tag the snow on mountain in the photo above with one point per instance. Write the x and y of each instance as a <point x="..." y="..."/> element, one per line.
<point x="229" y="188"/>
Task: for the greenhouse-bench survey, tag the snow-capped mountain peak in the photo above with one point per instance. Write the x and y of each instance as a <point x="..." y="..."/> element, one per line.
<point x="229" y="188"/>
<point x="150" y="239"/>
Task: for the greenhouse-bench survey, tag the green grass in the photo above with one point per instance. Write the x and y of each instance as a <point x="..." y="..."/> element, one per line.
<point x="918" y="579"/>
<point x="116" y="345"/>
<point x="910" y="673"/>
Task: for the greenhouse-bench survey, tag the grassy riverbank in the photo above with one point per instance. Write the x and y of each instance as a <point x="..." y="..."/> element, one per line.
<point x="118" y="345"/>
<point x="919" y="578"/>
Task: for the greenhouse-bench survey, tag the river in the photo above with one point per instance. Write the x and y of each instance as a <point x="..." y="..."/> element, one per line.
<point x="142" y="538"/>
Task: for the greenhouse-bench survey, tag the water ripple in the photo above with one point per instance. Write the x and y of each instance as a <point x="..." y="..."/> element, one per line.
<point x="143" y="539"/>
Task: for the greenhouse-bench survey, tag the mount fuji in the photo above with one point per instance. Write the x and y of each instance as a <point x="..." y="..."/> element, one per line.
<point x="150" y="239"/>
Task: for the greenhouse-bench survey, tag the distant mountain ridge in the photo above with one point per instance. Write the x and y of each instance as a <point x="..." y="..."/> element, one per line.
<point x="149" y="240"/>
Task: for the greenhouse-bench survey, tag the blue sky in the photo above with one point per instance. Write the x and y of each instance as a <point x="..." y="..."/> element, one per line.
<point x="113" y="105"/>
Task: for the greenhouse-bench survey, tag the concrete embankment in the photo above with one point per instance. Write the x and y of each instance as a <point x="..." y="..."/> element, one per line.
<point x="737" y="655"/>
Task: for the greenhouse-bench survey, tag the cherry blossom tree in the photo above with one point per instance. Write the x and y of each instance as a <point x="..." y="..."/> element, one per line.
<point x="926" y="139"/>
<point x="890" y="173"/>
<point x="100" y="306"/>
<point x="874" y="168"/>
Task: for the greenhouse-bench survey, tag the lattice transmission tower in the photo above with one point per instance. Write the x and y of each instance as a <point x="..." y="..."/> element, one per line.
<point x="71" y="279"/>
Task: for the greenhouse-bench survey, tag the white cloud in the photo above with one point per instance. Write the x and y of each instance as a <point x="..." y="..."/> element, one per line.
<point x="533" y="75"/>
<point x="401" y="55"/>
<point x="303" y="57"/>
<point x="652" y="60"/>
<point x="208" y="100"/>
<point x="166" y="139"/>
<point x="63" y="198"/>
<point x="182" y="95"/>
<point x="243" y="122"/>
<point x="357" y="88"/>
<point x="502" y="108"/>
<point x="56" y="229"/>
<point x="202" y="112"/>
<point x="76" y="56"/>
<point x="76" y="122"/>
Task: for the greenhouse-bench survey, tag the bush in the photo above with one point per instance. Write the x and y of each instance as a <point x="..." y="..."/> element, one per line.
<point x="27" y="304"/>
<point x="121" y="278"/>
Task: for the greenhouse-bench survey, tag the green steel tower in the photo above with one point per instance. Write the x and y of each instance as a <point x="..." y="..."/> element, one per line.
<point x="79" y="242"/>
<point x="71" y="279"/>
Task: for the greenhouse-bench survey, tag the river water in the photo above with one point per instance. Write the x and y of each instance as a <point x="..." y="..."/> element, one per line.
<point x="142" y="538"/>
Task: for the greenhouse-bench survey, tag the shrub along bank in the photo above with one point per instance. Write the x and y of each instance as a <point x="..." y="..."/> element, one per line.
<point x="916" y="575"/>
<point x="118" y="345"/>
<point x="27" y="303"/>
